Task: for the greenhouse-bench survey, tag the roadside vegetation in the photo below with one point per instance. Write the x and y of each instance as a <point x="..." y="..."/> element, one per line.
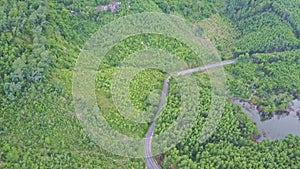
<point x="41" y="40"/>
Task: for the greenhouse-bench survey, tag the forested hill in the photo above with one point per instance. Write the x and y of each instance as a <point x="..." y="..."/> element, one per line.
<point x="268" y="34"/>
<point x="265" y="26"/>
<point x="39" y="44"/>
<point x="41" y="40"/>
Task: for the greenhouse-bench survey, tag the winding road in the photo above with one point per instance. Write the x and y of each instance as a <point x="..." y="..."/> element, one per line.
<point x="150" y="161"/>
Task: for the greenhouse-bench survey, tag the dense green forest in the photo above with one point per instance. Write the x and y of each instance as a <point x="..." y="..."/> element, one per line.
<point x="41" y="40"/>
<point x="265" y="26"/>
<point x="268" y="47"/>
<point x="261" y="79"/>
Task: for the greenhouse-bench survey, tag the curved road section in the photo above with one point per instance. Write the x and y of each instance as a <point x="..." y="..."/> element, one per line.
<point x="150" y="162"/>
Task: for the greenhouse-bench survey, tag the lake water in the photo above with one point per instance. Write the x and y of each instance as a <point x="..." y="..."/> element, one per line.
<point x="279" y="125"/>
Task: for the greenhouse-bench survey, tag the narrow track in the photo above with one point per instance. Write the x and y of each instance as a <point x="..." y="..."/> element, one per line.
<point x="150" y="162"/>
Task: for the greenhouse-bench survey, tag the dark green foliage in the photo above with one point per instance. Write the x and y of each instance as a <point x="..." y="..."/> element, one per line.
<point x="41" y="40"/>
<point x="193" y="10"/>
<point x="265" y="26"/>
<point x="267" y="80"/>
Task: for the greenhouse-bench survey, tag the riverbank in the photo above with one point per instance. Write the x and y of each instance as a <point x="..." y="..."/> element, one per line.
<point x="278" y="126"/>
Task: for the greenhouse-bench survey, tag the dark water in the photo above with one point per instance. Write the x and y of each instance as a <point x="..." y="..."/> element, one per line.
<point x="279" y="125"/>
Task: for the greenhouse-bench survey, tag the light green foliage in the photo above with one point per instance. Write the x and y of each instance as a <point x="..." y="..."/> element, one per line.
<point x="193" y="10"/>
<point x="41" y="40"/>
<point x="221" y="32"/>
<point x="268" y="80"/>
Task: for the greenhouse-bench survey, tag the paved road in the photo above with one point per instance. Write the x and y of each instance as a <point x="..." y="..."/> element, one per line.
<point x="150" y="162"/>
<point x="197" y="69"/>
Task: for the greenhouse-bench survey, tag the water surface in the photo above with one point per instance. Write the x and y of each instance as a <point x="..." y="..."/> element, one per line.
<point x="278" y="126"/>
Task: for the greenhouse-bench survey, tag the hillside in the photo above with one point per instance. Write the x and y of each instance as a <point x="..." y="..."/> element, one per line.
<point x="41" y="41"/>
